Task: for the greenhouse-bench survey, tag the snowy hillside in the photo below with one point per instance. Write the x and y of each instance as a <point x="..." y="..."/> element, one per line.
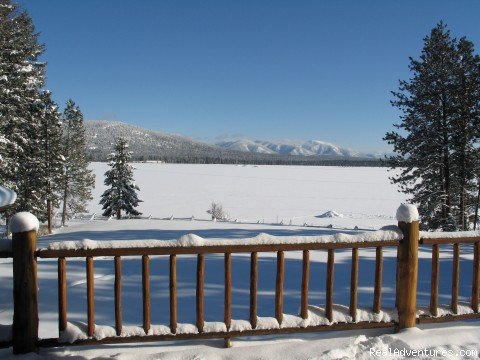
<point x="146" y="143"/>
<point x="156" y="145"/>
<point x="306" y="148"/>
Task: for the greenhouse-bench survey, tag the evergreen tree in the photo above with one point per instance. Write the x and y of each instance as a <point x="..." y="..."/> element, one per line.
<point x="50" y="152"/>
<point x="78" y="180"/>
<point x="435" y="148"/>
<point x="466" y="131"/>
<point x="122" y="193"/>
<point x="21" y="78"/>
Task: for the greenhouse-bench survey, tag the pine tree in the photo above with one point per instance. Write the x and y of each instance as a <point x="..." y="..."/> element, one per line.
<point x="466" y="131"/>
<point x="78" y="180"/>
<point x="51" y="169"/>
<point x="435" y="149"/>
<point x="21" y="78"/>
<point x="122" y="193"/>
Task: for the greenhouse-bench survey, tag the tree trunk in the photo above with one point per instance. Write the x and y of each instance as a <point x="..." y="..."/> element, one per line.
<point x="49" y="215"/>
<point x="119" y="214"/>
<point x="476" y="206"/>
<point x="64" y="210"/>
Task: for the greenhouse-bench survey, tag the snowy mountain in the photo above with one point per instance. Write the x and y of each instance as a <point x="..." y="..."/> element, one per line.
<point x="155" y="145"/>
<point x="145" y="144"/>
<point x="307" y="148"/>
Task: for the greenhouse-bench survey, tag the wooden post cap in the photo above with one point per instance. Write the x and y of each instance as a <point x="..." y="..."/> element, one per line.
<point x="407" y="213"/>
<point x="23" y="222"/>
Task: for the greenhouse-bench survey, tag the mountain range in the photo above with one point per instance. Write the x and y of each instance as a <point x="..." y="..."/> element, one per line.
<point x="287" y="147"/>
<point x="155" y="145"/>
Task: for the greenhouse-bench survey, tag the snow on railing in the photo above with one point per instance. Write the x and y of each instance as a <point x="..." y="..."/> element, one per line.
<point x="388" y="233"/>
<point x="448" y="235"/>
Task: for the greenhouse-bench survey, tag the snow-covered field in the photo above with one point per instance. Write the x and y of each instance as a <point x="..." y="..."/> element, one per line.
<point x="260" y="199"/>
<point x="360" y="197"/>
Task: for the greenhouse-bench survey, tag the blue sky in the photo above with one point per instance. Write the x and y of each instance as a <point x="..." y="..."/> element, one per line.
<point x="261" y="69"/>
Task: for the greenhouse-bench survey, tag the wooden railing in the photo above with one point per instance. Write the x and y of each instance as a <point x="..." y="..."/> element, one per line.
<point x="227" y="251"/>
<point x="456" y="243"/>
<point x="406" y="285"/>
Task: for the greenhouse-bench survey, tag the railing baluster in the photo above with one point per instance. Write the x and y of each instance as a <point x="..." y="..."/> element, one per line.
<point x="146" y="292"/>
<point x="118" y="295"/>
<point x="90" y="298"/>
<point x="397" y="277"/>
<point x="279" y="286"/>
<point x="354" y="285"/>
<point x="476" y="276"/>
<point x="305" y="281"/>
<point x="434" y="281"/>
<point x="228" y="290"/>
<point x="377" y="295"/>
<point x="173" y="293"/>
<point x="329" y="292"/>
<point x="200" y="287"/>
<point x="253" y="288"/>
<point x="62" y="294"/>
<point x="455" y="277"/>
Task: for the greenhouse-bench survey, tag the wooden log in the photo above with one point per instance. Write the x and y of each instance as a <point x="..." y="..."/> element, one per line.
<point x="173" y="293"/>
<point x="90" y="298"/>
<point x="305" y="282"/>
<point x="228" y="290"/>
<point x="459" y="240"/>
<point x="200" y="289"/>
<point x="220" y="249"/>
<point x="397" y="277"/>
<point x="212" y="335"/>
<point x="279" y="286"/>
<point x="377" y="293"/>
<point x="253" y="288"/>
<point x="408" y="274"/>
<point x="434" y="281"/>
<point x="62" y="295"/>
<point x="118" y="295"/>
<point x="329" y="292"/>
<point x="354" y="285"/>
<point x="476" y="276"/>
<point x="25" y="293"/>
<point x="146" y="292"/>
<point x="455" y="277"/>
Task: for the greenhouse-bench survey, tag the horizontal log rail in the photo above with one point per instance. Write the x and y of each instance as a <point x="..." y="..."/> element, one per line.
<point x="217" y="249"/>
<point x="53" y="342"/>
<point x="452" y="240"/>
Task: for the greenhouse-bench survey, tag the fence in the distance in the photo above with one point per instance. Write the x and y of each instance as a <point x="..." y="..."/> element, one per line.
<point x="406" y="241"/>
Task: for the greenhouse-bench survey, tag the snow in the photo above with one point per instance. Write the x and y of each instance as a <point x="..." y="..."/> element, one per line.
<point x="189" y="240"/>
<point x="330" y="214"/>
<point x="407" y="213"/>
<point x="23" y="221"/>
<point x="462" y="309"/>
<point x="268" y="194"/>
<point x="448" y="235"/>
<point x="7" y="196"/>
<point x="255" y="196"/>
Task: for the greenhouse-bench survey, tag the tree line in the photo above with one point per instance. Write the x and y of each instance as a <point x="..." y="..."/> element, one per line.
<point x="42" y="149"/>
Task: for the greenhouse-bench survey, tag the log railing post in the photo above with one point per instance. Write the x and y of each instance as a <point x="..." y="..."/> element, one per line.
<point x="407" y="216"/>
<point x="24" y="228"/>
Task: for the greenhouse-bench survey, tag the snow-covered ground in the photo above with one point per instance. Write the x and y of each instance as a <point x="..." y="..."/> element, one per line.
<point x="296" y="194"/>
<point x="258" y="194"/>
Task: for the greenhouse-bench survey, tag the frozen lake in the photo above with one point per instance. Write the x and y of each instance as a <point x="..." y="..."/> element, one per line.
<point x="297" y="194"/>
